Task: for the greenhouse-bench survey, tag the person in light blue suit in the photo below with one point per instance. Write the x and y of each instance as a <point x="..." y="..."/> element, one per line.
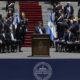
<point x="16" y="19"/>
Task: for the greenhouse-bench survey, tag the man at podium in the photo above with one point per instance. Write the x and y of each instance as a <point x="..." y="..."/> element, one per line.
<point x="39" y="28"/>
<point x="40" y="41"/>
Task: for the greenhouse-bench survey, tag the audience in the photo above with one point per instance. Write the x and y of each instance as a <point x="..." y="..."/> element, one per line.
<point x="68" y="28"/>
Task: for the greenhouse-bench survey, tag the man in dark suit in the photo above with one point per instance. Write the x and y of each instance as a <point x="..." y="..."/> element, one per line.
<point x="10" y="40"/>
<point x="69" y="38"/>
<point x="13" y="40"/>
<point x="75" y="28"/>
<point x="19" y="37"/>
<point x="66" y="42"/>
<point x="1" y="22"/>
<point x="60" y="28"/>
<point x="40" y="29"/>
<point x="68" y="10"/>
<point x="24" y="25"/>
<point x="3" y="40"/>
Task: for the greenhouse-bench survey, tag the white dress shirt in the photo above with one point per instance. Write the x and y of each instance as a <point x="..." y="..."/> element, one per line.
<point x="40" y="31"/>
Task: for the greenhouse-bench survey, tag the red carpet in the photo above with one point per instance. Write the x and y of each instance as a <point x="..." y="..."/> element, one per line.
<point x="34" y="14"/>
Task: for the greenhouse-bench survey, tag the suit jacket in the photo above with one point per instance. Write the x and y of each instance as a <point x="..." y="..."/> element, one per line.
<point x="74" y="28"/>
<point x="1" y="25"/>
<point x="79" y="13"/>
<point x="37" y="30"/>
<point x="19" y="33"/>
<point x="2" y="37"/>
<point x="23" y="24"/>
<point x="65" y="9"/>
<point x="69" y="37"/>
<point x="8" y="36"/>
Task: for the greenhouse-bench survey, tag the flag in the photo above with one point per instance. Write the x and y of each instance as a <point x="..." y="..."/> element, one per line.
<point x="51" y="31"/>
<point x="48" y="31"/>
<point x="52" y="17"/>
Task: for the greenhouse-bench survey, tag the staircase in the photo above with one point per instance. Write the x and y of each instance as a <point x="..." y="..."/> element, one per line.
<point x="34" y="14"/>
<point x="45" y="11"/>
<point x="2" y="8"/>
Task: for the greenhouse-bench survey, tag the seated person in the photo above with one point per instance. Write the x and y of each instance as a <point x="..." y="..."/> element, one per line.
<point x="67" y="41"/>
<point x="69" y="38"/>
<point x="59" y="44"/>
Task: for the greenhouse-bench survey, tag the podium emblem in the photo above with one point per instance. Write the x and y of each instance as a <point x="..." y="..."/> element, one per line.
<point x="42" y="71"/>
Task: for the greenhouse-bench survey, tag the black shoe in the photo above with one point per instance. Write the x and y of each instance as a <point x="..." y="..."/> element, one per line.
<point x="3" y="51"/>
<point x="12" y="50"/>
<point x="8" y="51"/>
<point x="20" y="51"/>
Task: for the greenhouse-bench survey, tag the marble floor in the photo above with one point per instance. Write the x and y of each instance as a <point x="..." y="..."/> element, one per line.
<point x="27" y="52"/>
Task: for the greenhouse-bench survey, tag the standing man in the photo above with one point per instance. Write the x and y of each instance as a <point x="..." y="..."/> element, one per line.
<point x="68" y="10"/>
<point x="24" y="25"/>
<point x="16" y="20"/>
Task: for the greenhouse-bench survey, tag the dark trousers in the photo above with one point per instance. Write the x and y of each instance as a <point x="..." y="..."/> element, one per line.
<point x="70" y="47"/>
<point x="19" y="45"/>
<point x="60" y="45"/>
<point x="3" y="47"/>
<point x="8" y="45"/>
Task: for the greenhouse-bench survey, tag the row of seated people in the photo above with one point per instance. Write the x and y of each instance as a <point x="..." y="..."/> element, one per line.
<point x="9" y="42"/>
<point x="12" y="34"/>
<point x="69" y="43"/>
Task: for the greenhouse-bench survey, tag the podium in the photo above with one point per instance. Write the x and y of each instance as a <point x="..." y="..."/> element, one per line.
<point x="40" y="44"/>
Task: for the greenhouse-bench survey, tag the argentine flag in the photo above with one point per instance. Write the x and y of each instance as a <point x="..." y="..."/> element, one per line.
<point x="48" y="31"/>
<point x="51" y="29"/>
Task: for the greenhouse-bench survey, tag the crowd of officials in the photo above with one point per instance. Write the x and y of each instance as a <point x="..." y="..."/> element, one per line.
<point x="68" y="28"/>
<point x="12" y="34"/>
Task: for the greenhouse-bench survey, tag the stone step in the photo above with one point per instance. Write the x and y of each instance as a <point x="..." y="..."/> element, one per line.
<point x="45" y="11"/>
<point x="3" y="5"/>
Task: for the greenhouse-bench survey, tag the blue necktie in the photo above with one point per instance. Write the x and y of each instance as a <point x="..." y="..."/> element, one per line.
<point x="17" y="20"/>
